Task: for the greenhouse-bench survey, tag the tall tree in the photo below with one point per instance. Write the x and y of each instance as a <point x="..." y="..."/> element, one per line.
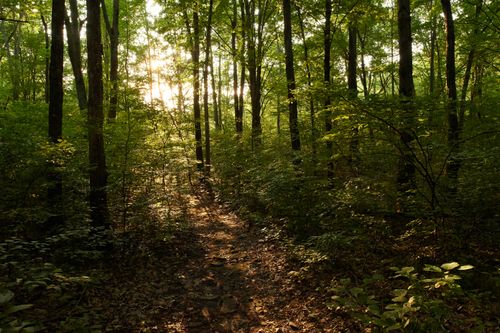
<point x="114" y="33"/>
<point x="470" y="61"/>
<point x="312" y="114"/>
<point x="238" y="114"/>
<point x="208" y="51"/>
<point x="290" y="76"/>
<point x="253" y="67"/>
<point x="95" y="119"/>
<point x="406" y="169"/>
<point x="56" y="94"/>
<point x="195" y="56"/>
<point x="72" y="23"/>
<point x="453" y="127"/>
<point x="352" y="87"/>
<point x="47" y="58"/>
<point x="327" y="45"/>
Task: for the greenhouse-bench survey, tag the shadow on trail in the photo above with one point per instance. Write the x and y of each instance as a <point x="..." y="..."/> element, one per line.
<point x="213" y="276"/>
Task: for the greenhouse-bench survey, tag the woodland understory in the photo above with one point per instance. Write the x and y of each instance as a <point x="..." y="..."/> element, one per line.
<point x="249" y="166"/>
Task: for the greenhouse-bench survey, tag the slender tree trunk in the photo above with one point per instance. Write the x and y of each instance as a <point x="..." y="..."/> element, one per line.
<point x="253" y="72"/>
<point x="290" y="76"/>
<point x="432" y="70"/>
<point x="75" y="52"/>
<point x="468" y="67"/>
<point x="234" y="25"/>
<point x="453" y="165"/>
<point x="215" y="101"/>
<point x="97" y="160"/>
<point x="196" y="87"/>
<point x="352" y="86"/>
<point x="327" y="42"/>
<point x="312" y="115"/>
<point x="47" y="57"/>
<point x="208" y="48"/>
<point x="406" y="170"/>
<point x="56" y="94"/>
<point x="219" y="90"/>
<point x="114" y="34"/>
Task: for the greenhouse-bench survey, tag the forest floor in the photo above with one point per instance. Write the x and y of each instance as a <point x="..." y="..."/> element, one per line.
<point x="216" y="275"/>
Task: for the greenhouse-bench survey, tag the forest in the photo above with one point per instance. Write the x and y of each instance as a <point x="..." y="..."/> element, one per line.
<point x="249" y="166"/>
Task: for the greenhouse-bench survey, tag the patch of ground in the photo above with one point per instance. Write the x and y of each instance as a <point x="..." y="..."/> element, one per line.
<point x="217" y="276"/>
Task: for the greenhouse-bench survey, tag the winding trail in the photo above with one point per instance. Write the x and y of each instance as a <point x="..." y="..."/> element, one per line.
<point x="223" y="277"/>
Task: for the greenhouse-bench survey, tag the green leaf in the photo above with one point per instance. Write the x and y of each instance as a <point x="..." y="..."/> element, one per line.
<point x="432" y="268"/>
<point x="17" y="308"/>
<point x="356" y="291"/>
<point x="465" y="267"/>
<point x="400" y="295"/>
<point x="6" y="296"/>
<point x="450" y="265"/>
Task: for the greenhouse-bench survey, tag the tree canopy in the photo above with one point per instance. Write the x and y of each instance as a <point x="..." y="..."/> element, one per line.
<point x="353" y="145"/>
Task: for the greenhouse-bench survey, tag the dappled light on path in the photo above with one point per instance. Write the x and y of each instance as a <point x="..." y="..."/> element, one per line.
<point x="225" y="277"/>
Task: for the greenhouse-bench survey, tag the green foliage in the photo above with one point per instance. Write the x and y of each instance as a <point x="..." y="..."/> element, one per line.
<point x="9" y="312"/>
<point x="416" y="302"/>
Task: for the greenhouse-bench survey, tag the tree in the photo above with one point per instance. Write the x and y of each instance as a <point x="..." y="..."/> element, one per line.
<point x="238" y="109"/>
<point x="95" y="120"/>
<point x="72" y="23"/>
<point x="406" y="169"/>
<point x="195" y="55"/>
<point x="352" y="87"/>
<point x="56" y="94"/>
<point x="290" y="76"/>
<point x="114" y="34"/>
<point x="453" y="164"/>
<point x="327" y="45"/>
<point x="208" y="51"/>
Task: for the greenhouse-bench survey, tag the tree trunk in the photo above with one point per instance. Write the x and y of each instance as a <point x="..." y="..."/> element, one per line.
<point x="75" y="52"/>
<point x="56" y="94"/>
<point x="468" y="67"/>
<point x="237" y="116"/>
<point x="453" y="165"/>
<point x="327" y="38"/>
<point x="196" y="87"/>
<point x="253" y="76"/>
<point x="97" y="160"/>
<point x="113" y="33"/>
<point x="352" y="86"/>
<point x="406" y="170"/>
<point x="47" y="58"/>
<point x="215" y="101"/>
<point x="432" y="71"/>
<point x="208" y="48"/>
<point x="290" y="76"/>
<point x="312" y="115"/>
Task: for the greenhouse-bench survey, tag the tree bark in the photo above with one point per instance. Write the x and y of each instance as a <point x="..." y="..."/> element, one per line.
<point x="406" y="169"/>
<point x="114" y="34"/>
<point x="290" y="77"/>
<point x="75" y="52"/>
<point x="47" y="58"/>
<point x="352" y="86"/>
<point x="234" y="25"/>
<point x="327" y="43"/>
<point x="253" y="75"/>
<point x="468" y="66"/>
<point x="56" y="94"/>
<point x="196" y="87"/>
<point x="453" y="165"/>
<point x="312" y="115"/>
<point x="208" y="49"/>
<point x="97" y="161"/>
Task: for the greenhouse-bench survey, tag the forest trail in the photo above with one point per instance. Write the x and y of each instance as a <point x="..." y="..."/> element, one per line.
<point x="224" y="277"/>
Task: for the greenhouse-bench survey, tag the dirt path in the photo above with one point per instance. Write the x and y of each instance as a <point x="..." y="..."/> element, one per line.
<point x="224" y="277"/>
